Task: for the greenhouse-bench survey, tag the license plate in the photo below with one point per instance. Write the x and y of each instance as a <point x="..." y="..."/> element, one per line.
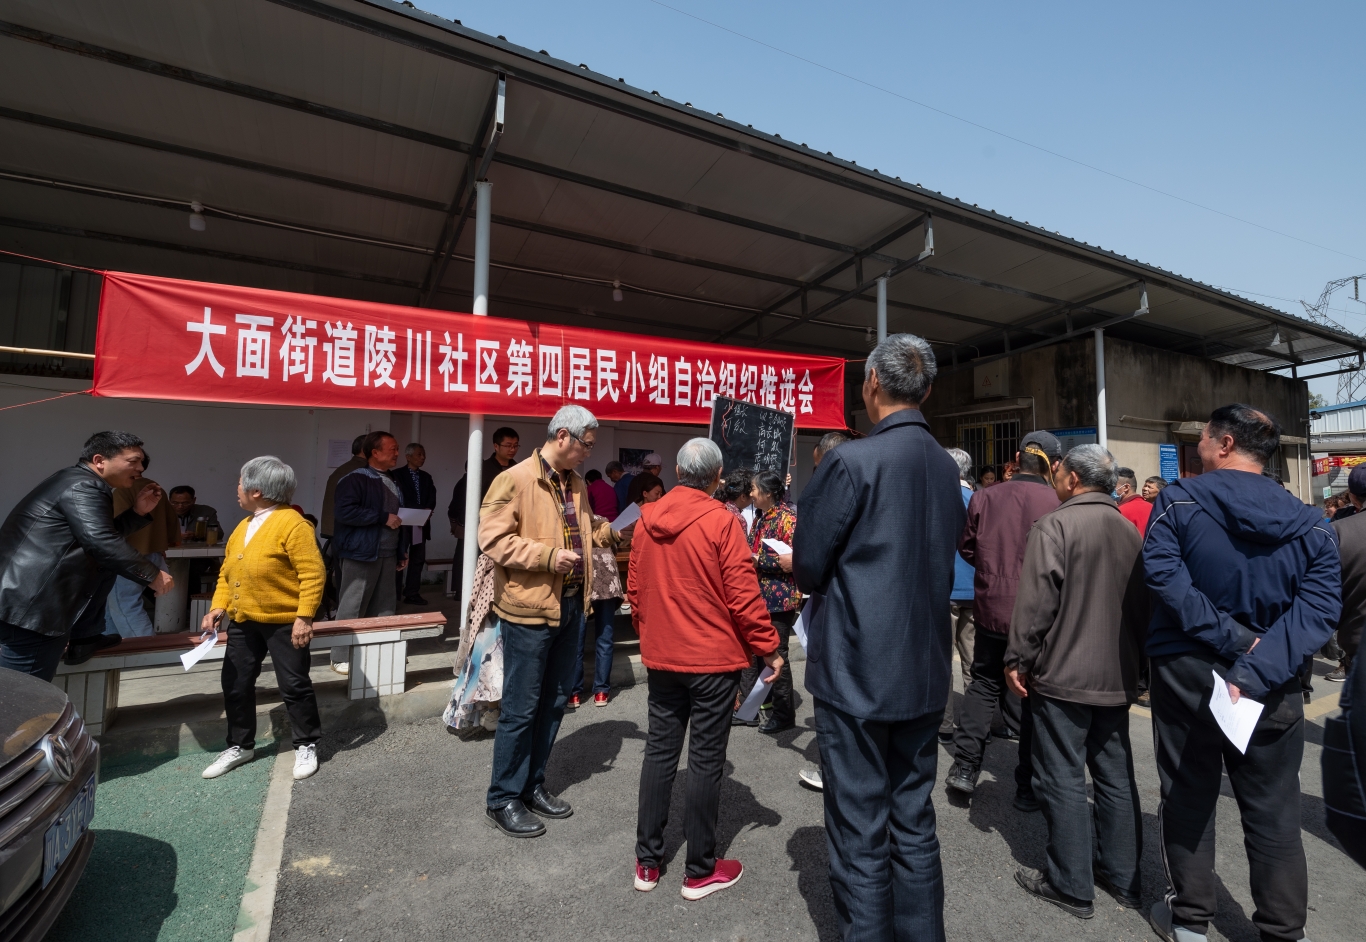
<point x="62" y="836"/>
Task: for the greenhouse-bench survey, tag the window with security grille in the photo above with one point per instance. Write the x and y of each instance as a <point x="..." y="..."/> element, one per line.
<point x="991" y="440"/>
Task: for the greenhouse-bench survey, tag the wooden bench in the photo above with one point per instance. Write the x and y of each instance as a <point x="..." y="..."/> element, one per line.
<point x="448" y="567"/>
<point x="379" y="652"/>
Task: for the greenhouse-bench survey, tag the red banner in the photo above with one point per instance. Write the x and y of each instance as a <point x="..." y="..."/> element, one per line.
<point x="161" y="338"/>
<point x="1324" y="465"/>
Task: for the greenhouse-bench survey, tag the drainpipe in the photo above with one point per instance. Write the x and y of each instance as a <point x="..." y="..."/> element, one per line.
<point x="1102" y="436"/>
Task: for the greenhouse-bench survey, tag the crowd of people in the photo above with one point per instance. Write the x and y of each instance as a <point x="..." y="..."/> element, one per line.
<point x="1068" y="592"/>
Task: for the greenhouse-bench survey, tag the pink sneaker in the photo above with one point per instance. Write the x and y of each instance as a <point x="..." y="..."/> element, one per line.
<point x="647" y="878"/>
<point x="726" y="874"/>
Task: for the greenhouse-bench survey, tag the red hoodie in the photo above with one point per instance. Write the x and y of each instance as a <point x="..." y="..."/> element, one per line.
<point x="693" y="591"/>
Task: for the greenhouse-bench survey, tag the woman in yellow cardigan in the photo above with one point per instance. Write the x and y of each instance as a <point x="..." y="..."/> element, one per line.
<point x="269" y="588"/>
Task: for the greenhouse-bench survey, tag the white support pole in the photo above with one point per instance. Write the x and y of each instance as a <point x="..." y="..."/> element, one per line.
<point x="881" y="309"/>
<point x="474" y="454"/>
<point x="1102" y="436"/>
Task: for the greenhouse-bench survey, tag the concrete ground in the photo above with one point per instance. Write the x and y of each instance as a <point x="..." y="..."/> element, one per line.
<point x="388" y="841"/>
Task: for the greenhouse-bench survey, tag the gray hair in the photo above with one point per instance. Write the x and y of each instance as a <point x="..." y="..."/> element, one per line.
<point x="699" y="461"/>
<point x="576" y="420"/>
<point x="905" y="366"/>
<point x="271" y="476"/>
<point x="963" y="460"/>
<point x="1094" y="466"/>
<point x="412" y="447"/>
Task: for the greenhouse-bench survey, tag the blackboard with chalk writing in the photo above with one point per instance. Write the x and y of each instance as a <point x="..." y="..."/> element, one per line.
<point x="751" y="436"/>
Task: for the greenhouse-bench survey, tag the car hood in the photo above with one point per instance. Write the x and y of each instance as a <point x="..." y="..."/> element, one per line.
<point x="29" y="708"/>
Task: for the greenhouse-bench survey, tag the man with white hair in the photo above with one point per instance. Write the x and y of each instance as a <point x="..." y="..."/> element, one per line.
<point x="536" y="526"/>
<point x="1074" y="650"/>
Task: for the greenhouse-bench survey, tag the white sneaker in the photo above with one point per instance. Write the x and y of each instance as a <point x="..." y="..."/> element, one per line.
<point x="344" y="668"/>
<point x="813" y="778"/>
<point x="305" y="761"/>
<point x="228" y="760"/>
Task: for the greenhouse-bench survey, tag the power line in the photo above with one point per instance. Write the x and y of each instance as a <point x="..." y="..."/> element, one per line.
<point x="1002" y="134"/>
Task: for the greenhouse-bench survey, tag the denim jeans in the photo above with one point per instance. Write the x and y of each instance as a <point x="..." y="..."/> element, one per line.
<point x="124" y="614"/>
<point x="29" y="652"/>
<point x="885" y="871"/>
<point x="538" y="673"/>
<point x="604" y="612"/>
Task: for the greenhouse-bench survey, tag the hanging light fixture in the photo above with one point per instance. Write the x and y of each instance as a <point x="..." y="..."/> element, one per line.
<point x="197" y="216"/>
<point x="616" y="289"/>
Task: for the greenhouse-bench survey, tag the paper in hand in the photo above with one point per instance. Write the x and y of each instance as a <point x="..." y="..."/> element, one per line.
<point x="413" y="516"/>
<point x="627" y="517"/>
<point x="1237" y="720"/>
<point x="778" y="546"/>
<point x="799" y="626"/>
<point x="750" y="708"/>
<point x="191" y="658"/>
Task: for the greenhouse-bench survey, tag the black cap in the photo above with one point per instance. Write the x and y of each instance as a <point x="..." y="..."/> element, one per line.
<point x="1046" y="442"/>
<point x="1356" y="481"/>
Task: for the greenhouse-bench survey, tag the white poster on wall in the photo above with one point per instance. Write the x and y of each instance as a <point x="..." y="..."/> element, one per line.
<point x="338" y="452"/>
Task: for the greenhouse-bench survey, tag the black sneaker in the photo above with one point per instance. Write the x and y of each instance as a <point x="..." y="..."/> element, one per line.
<point x="962" y="778"/>
<point x="946" y="737"/>
<point x="1036" y="884"/>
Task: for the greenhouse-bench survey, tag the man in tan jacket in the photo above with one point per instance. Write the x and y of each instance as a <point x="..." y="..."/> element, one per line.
<point x="537" y="527"/>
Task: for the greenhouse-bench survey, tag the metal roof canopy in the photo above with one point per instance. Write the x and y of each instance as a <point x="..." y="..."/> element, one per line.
<point x="333" y="145"/>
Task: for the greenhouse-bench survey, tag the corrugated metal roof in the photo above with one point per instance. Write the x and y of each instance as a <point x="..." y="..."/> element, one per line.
<point x="356" y="120"/>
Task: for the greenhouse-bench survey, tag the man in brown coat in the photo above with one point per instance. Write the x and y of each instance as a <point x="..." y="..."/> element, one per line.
<point x="537" y="527"/>
<point x="1076" y="636"/>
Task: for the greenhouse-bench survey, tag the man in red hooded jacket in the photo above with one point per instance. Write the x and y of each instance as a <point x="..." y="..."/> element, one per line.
<point x="696" y="606"/>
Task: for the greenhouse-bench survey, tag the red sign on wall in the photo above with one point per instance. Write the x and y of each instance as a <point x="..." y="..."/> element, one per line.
<point x="162" y="338"/>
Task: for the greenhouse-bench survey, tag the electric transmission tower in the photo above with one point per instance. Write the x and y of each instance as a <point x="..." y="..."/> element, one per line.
<point x="1351" y="383"/>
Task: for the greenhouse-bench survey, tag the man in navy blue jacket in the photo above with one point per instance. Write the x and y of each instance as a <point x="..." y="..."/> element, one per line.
<point x="1246" y="581"/>
<point x="877" y="539"/>
<point x="369" y="540"/>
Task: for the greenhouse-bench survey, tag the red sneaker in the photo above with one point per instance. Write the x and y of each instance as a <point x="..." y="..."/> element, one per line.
<point x="647" y="878"/>
<point x="600" y="698"/>
<point x="726" y="874"/>
<point x="574" y="702"/>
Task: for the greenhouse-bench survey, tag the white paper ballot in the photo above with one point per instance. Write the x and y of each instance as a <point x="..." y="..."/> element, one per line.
<point x="778" y="546"/>
<point x="750" y="708"/>
<point x="1237" y="720"/>
<point x="191" y="658"/>
<point x="799" y="626"/>
<point x="413" y="516"/>
<point x="627" y="517"/>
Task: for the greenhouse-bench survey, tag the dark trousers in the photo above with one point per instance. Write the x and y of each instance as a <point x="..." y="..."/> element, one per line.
<point x="699" y="705"/>
<point x="538" y="674"/>
<point x="604" y="613"/>
<point x="781" y="696"/>
<point x="29" y="652"/>
<point x="248" y="644"/>
<point x="1192" y="755"/>
<point x="979" y="704"/>
<point x="1069" y="739"/>
<point x="885" y="872"/>
<point x="408" y="581"/>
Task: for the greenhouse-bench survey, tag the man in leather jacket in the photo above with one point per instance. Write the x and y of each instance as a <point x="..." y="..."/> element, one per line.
<point x="56" y="540"/>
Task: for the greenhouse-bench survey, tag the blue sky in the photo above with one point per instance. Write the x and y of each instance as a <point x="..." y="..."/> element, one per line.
<point x="1252" y="110"/>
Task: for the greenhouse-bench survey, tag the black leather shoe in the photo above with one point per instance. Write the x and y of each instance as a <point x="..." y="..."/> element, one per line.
<point x="547" y="805"/>
<point x="1036" y="884"/>
<point x="945" y="737"/>
<point x="415" y="600"/>
<point x="514" y="820"/>
<point x="1122" y="898"/>
<point x="775" y="726"/>
<point x="1026" y="802"/>
<point x="736" y="721"/>
<point x="78" y="652"/>
<point x="962" y="778"/>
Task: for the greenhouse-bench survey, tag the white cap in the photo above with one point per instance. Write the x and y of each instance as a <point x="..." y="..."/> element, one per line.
<point x="652" y="458"/>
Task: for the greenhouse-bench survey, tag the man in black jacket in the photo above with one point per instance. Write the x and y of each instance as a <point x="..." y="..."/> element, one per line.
<point x="418" y="490"/>
<point x="879" y="529"/>
<point x="505" y="444"/>
<point x="55" y="541"/>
